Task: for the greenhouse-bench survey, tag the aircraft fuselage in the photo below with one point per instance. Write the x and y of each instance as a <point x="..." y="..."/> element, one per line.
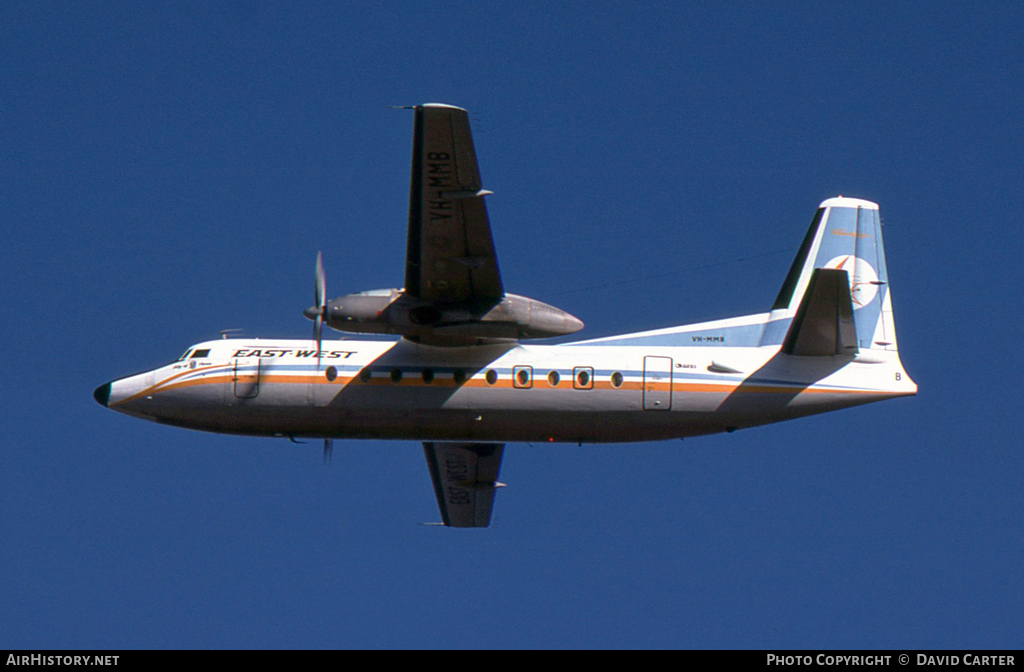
<point x="500" y="393"/>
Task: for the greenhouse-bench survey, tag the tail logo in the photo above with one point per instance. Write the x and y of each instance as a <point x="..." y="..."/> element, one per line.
<point x="863" y="278"/>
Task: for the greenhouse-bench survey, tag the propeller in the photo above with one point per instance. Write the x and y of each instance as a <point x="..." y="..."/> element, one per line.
<point x="318" y="312"/>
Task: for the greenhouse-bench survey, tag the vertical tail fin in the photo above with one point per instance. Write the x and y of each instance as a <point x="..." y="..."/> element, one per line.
<point x="845" y="235"/>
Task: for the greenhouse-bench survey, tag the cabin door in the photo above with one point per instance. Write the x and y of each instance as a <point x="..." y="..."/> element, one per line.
<point x="657" y="383"/>
<point x="246" y="377"/>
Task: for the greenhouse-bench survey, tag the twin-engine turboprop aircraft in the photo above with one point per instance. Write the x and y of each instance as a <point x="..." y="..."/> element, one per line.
<point x="463" y="379"/>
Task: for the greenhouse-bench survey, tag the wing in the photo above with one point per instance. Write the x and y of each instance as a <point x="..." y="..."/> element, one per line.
<point x="450" y="254"/>
<point x="465" y="477"/>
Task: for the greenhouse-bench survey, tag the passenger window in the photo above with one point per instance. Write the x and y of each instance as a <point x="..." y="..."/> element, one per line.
<point x="428" y="376"/>
<point x="396" y="375"/>
<point x="583" y="377"/>
<point x="331" y="373"/>
<point x="459" y="377"/>
<point x="616" y="379"/>
<point x="491" y="377"/>
<point x="522" y="377"/>
<point x="554" y="378"/>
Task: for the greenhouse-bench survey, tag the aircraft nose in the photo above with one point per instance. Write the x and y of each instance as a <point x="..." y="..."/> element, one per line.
<point x="102" y="394"/>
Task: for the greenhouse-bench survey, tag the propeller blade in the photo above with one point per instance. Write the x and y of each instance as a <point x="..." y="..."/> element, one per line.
<point x="319" y="311"/>
<point x="328" y="451"/>
<point x="320" y="294"/>
<point x="318" y="325"/>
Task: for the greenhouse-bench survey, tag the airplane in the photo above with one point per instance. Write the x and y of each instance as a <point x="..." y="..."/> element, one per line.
<point x="464" y="377"/>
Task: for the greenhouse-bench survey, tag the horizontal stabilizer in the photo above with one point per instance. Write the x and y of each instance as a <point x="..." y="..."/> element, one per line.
<point x="465" y="477"/>
<point x="824" y="325"/>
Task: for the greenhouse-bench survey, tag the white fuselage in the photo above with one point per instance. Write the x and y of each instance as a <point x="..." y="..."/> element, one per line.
<point x="576" y="392"/>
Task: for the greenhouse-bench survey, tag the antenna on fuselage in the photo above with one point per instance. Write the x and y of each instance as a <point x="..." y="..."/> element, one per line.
<point x="224" y="332"/>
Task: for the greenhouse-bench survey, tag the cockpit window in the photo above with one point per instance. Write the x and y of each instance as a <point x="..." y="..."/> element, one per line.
<point x="184" y="355"/>
<point x="201" y="353"/>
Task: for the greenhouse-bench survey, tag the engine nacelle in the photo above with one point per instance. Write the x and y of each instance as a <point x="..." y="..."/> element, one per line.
<point x="390" y="311"/>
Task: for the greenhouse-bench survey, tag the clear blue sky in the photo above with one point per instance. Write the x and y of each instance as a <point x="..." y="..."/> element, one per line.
<point x="169" y="170"/>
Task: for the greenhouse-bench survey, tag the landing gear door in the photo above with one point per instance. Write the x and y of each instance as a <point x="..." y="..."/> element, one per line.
<point x="245" y="376"/>
<point x="657" y="383"/>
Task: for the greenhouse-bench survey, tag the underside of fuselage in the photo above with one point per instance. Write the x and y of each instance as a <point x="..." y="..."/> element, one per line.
<point x="495" y="427"/>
